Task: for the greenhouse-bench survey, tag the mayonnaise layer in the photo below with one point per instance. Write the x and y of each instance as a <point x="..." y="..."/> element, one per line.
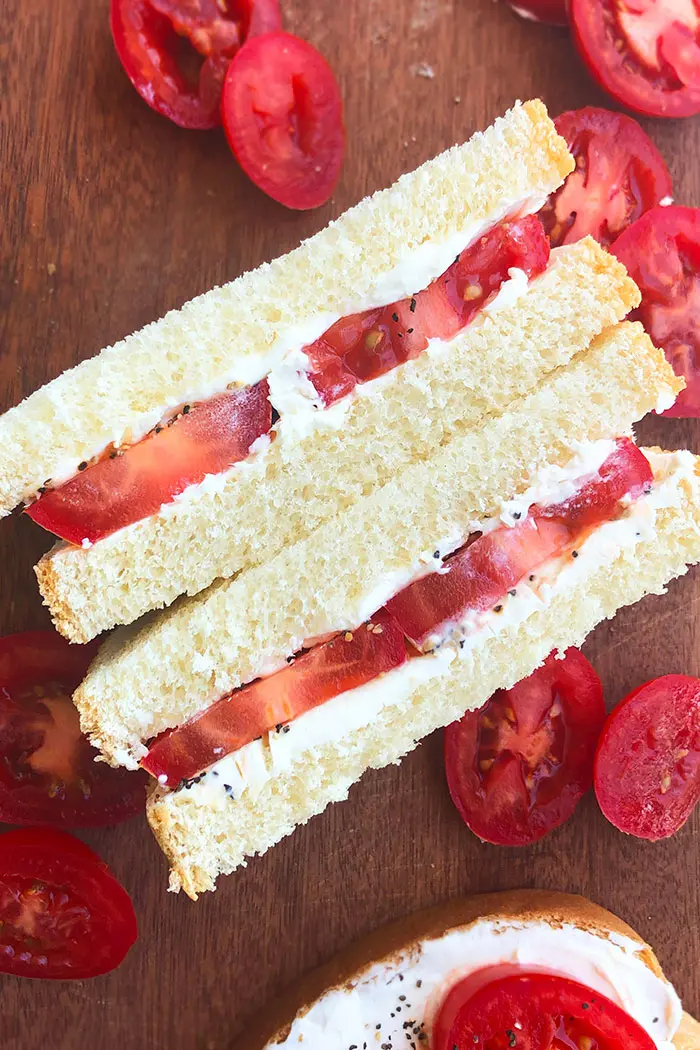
<point x="403" y="994"/>
<point x="249" y="768"/>
<point x="412" y="274"/>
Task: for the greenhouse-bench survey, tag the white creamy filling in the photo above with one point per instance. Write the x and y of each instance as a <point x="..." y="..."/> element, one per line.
<point x="373" y="1010"/>
<point x="249" y="768"/>
<point x="412" y="274"/>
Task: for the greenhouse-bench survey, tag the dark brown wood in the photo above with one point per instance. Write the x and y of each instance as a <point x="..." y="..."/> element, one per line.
<point x="111" y="215"/>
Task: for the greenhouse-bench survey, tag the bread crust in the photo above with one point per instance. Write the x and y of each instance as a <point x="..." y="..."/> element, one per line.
<point x="522" y="905"/>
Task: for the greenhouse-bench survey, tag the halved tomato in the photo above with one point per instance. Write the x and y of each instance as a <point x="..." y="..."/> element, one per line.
<point x="127" y="485"/>
<point x="63" y="915"/>
<point x="662" y="254"/>
<point x="619" y="175"/>
<point x="535" y="1011"/>
<point x="646" y="53"/>
<point x="518" y="768"/>
<point x="48" y="772"/>
<point x="334" y="667"/>
<point x="479" y="574"/>
<point x="647" y="767"/>
<point x="364" y="346"/>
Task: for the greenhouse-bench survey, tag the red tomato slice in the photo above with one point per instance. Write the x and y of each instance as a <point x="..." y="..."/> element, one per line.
<point x="662" y="254"/>
<point x="551" y="11"/>
<point x="619" y="175"/>
<point x="517" y="768"/>
<point x="48" y="773"/>
<point x="364" y="346"/>
<point x="534" y="1011"/>
<point x="646" y="53"/>
<point x="153" y="39"/>
<point x="343" y="663"/>
<point x="489" y="565"/>
<point x="283" y="117"/>
<point x="647" y="767"/>
<point x="126" y="486"/>
<point x="62" y="913"/>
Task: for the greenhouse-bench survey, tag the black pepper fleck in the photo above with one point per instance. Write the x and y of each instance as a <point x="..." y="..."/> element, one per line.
<point x="395" y="318"/>
<point x="498" y="608"/>
<point x="82" y="466"/>
<point x="412" y="306"/>
<point x="574" y="554"/>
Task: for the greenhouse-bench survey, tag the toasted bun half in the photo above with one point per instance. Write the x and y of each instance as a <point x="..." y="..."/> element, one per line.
<point x="406" y="940"/>
<point x="158" y="674"/>
<point x="217" y="338"/>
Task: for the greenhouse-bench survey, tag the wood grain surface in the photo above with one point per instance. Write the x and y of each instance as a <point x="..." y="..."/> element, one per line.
<point x="110" y="216"/>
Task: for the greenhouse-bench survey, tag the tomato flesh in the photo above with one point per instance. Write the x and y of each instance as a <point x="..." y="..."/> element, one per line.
<point x="647" y="768"/>
<point x="62" y="913"/>
<point x="283" y="118"/>
<point x="158" y="42"/>
<point x="131" y="484"/>
<point x="518" y="768"/>
<point x="479" y="574"/>
<point x="535" y="1011"/>
<point x="619" y="175"/>
<point x="646" y="53"/>
<point x="364" y="346"/>
<point x="327" y="670"/>
<point x="662" y="254"/>
<point x="48" y="773"/>
<point x="551" y="11"/>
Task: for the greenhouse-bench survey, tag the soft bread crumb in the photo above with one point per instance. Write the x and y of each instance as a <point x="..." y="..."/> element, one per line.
<point x="160" y="673"/>
<point x="413" y="412"/>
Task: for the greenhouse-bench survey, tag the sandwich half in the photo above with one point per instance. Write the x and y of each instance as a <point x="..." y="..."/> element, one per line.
<point x="413" y="983"/>
<point x="208" y="441"/>
<point x="260" y="701"/>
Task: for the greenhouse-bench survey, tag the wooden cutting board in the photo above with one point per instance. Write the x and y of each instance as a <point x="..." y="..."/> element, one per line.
<point x="110" y="216"/>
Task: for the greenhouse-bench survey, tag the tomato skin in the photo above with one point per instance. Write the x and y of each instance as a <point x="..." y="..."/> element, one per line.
<point x="283" y="118"/>
<point x="650" y="73"/>
<point x="535" y="1011"/>
<point x="148" y="36"/>
<point x="551" y="11"/>
<point x="619" y="175"/>
<point x="647" y="767"/>
<point x="119" y="490"/>
<point x="47" y="770"/>
<point x="661" y="251"/>
<point x="517" y="768"/>
<point x="328" y="669"/>
<point x="81" y="919"/>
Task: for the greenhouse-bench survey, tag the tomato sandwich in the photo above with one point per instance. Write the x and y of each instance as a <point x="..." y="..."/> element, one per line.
<point x="528" y="970"/>
<point x="208" y="441"/>
<point x="264" y="698"/>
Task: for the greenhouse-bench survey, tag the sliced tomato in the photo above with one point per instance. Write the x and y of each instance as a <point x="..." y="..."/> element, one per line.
<point x="662" y="254"/>
<point x="647" y="767"/>
<point x="283" y="117"/>
<point x="366" y="345"/>
<point x="551" y="11"/>
<point x="48" y="772"/>
<point x="479" y="574"/>
<point x="534" y="1011"/>
<point x="176" y="52"/>
<point x="646" y="53"/>
<point x="518" y="768"/>
<point x="334" y="667"/>
<point x="62" y="913"/>
<point x="619" y="175"/>
<point x="128" y="485"/>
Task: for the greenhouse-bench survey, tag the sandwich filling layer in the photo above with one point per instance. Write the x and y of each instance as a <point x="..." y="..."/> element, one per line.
<point x="404" y="993"/>
<point x="307" y="382"/>
<point x="341" y="684"/>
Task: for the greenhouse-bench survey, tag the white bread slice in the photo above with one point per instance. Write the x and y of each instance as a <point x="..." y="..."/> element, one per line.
<point x="157" y="675"/>
<point x="395" y="948"/>
<point x="405" y="416"/>
<point x="204" y="834"/>
<point x="210" y="342"/>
